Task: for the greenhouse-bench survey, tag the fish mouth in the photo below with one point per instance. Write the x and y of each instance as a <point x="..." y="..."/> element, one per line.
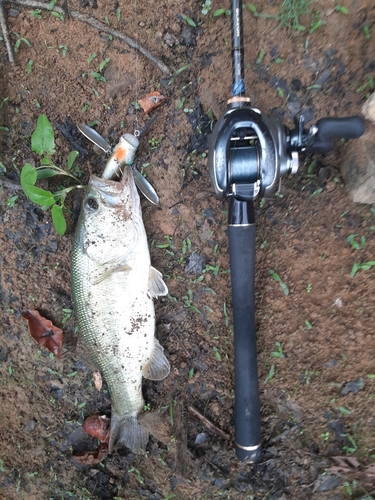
<point x="114" y="192"/>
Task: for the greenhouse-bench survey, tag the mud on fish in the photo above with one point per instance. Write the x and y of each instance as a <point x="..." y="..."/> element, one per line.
<point x="113" y="287"/>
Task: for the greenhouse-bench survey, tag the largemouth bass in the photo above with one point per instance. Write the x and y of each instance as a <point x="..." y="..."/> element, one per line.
<point x="113" y="287"/>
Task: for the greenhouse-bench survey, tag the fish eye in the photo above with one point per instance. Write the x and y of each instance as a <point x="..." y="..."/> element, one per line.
<point x="92" y="204"/>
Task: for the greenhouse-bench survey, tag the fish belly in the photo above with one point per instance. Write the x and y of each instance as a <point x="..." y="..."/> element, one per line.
<point x="116" y="321"/>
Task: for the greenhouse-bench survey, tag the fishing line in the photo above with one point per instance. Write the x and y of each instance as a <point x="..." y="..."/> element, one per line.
<point x="136" y="129"/>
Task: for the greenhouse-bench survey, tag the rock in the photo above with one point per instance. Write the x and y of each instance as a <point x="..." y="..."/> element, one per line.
<point x="13" y="12"/>
<point x="323" y="78"/>
<point x="358" y="167"/>
<point x="296" y="84"/>
<point x="201" y="438"/>
<point x="368" y="109"/>
<point x="293" y="104"/>
<point x="188" y="36"/>
<point x="326" y="483"/>
<point x="171" y="40"/>
<point x="30" y="426"/>
<point x="352" y="386"/>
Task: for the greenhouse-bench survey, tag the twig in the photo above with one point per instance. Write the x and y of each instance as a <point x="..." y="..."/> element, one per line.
<point x="209" y="424"/>
<point x="5" y="33"/>
<point x="85" y="18"/>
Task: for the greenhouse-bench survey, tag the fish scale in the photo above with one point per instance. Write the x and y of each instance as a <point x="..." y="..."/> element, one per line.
<point x="113" y="286"/>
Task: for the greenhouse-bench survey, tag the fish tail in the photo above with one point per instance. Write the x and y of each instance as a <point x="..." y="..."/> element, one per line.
<point x="126" y="432"/>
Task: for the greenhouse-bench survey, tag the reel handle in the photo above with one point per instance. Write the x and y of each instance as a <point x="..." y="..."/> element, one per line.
<point x="328" y="129"/>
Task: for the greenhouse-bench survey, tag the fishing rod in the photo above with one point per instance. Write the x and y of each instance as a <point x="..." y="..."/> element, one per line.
<point x="248" y="153"/>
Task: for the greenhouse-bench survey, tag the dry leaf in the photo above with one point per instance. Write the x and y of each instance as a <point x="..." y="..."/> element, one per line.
<point x="98" y="381"/>
<point x="44" y="332"/>
<point x="98" y="426"/>
<point x="151" y="101"/>
<point x="369" y="476"/>
<point x="92" y="457"/>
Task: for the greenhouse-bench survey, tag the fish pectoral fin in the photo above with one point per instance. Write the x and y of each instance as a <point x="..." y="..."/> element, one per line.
<point x="126" y="432"/>
<point x="108" y="271"/>
<point x="158" y="367"/>
<point x="156" y="284"/>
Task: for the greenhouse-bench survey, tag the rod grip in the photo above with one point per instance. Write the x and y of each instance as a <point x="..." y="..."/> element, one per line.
<point x="247" y="419"/>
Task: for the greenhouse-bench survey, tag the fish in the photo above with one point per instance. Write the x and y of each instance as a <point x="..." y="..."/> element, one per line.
<point x="113" y="287"/>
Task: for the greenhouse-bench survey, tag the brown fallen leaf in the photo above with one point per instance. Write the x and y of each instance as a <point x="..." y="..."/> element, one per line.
<point x="369" y="475"/>
<point x="151" y="101"/>
<point x="44" y="332"/>
<point x="92" y="457"/>
<point x="98" y="381"/>
<point x="98" y="426"/>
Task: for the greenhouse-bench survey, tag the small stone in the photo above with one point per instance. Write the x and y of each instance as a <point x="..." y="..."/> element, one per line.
<point x="220" y="483"/>
<point x="188" y="37"/>
<point x="171" y="40"/>
<point x="331" y="363"/>
<point x="323" y="78"/>
<point x="13" y="12"/>
<point x="293" y="105"/>
<point x="295" y="84"/>
<point x="323" y="175"/>
<point x="338" y="302"/>
<point x="326" y="483"/>
<point x="201" y="438"/>
<point x="30" y="426"/>
<point x="352" y="386"/>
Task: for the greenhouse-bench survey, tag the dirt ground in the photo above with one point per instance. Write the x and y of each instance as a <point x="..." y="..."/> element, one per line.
<point x="317" y="385"/>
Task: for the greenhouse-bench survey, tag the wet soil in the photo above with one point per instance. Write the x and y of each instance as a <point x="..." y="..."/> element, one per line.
<point x="316" y="345"/>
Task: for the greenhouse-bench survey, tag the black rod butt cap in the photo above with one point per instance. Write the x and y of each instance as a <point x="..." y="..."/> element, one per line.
<point x="252" y="455"/>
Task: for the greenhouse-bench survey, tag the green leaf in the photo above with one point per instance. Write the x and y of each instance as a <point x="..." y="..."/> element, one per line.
<point x="253" y="9"/>
<point x="58" y="219"/>
<point x="275" y="276"/>
<point x="260" y="57"/>
<point x="98" y="76"/>
<point x="28" y="176"/>
<point x="43" y="139"/>
<point x="72" y="156"/>
<point x="39" y="196"/>
<point x="46" y="160"/>
<point x="270" y="375"/>
<point x="219" y="12"/>
<point x="45" y="173"/>
<point x="93" y="55"/>
<point x="188" y="20"/>
<point x="217" y="354"/>
<point x="103" y="64"/>
<point x="284" y="287"/>
<point x="29" y="66"/>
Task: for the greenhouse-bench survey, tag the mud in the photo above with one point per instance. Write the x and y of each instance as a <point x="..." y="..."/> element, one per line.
<point x="317" y="400"/>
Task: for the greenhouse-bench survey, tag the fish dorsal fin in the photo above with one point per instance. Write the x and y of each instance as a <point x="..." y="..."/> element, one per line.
<point x="158" y="367"/>
<point x="156" y="284"/>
